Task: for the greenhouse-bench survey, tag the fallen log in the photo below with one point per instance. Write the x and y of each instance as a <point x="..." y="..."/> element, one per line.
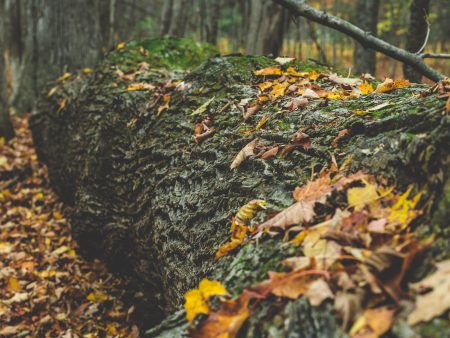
<point x="155" y="202"/>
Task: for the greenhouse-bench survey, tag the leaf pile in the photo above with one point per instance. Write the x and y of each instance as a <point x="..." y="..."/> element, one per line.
<point x="359" y="257"/>
<point x="47" y="289"/>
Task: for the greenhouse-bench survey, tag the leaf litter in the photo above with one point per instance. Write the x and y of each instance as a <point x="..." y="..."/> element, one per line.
<point x="47" y="288"/>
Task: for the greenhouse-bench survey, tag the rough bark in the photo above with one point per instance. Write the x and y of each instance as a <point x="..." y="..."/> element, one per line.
<point x="151" y="201"/>
<point x="417" y="34"/>
<point x="367" y="19"/>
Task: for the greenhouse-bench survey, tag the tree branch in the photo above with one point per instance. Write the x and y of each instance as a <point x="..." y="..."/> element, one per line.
<point x="434" y="56"/>
<point x="301" y="8"/>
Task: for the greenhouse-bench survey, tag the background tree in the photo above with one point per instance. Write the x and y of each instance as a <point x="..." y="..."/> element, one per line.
<point x="266" y="28"/>
<point x="417" y="34"/>
<point x="367" y="19"/>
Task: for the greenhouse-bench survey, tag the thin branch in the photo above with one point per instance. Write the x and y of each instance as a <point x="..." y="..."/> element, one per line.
<point x="434" y="56"/>
<point x="301" y="8"/>
<point x="426" y="37"/>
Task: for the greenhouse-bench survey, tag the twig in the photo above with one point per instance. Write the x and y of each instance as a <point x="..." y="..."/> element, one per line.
<point x="434" y="56"/>
<point x="301" y="8"/>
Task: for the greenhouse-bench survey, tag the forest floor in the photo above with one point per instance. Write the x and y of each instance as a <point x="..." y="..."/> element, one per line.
<point x="47" y="288"/>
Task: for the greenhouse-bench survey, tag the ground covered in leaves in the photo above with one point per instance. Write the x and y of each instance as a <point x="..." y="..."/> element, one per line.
<point x="47" y="289"/>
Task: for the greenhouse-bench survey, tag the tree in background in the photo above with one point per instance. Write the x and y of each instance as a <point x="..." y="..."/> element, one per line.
<point x="417" y="34"/>
<point x="6" y="128"/>
<point x="367" y="19"/>
<point x="266" y="28"/>
<point x="175" y="17"/>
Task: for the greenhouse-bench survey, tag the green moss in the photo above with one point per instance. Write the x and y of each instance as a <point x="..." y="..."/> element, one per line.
<point x="170" y="53"/>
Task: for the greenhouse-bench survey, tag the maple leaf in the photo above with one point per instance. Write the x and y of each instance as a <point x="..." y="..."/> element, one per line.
<point x="344" y="80"/>
<point x="269" y="71"/>
<point x="292" y="72"/>
<point x="403" y="211"/>
<point x="316" y="190"/>
<point x="196" y="300"/>
<point x="310" y="94"/>
<point x="297" y="102"/>
<point x="436" y="301"/>
<point x="265" y="85"/>
<point x="277" y="91"/>
<point x="226" y="322"/>
<point x="244" y="153"/>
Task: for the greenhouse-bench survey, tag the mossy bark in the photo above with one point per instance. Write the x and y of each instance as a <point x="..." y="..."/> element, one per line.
<point x="155" y="204"/>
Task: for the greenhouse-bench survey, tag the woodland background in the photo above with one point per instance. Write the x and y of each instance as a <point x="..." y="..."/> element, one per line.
<point x="42" y="39"/>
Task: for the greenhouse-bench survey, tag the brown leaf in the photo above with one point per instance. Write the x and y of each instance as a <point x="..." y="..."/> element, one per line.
<point x="310" y="94"/>
<point x="297" y="102"/>
<point x="297" y="213"/>
<point x="226" y="322"/>
<point x="245" y="152"/>
<point x="436" y="301"/>
<point x="316" y="190"/>
<point x="318" y="291"/>
<point x="269" y="153"/>
<point x="389" y="85"/>
<point x="373" y="323"/>
<point x="251" y="111"/>
<point x="341" y="135"/>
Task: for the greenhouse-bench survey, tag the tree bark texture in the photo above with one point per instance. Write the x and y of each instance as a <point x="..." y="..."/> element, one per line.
<point x="417" y="34"/>
<point x="367" y="19"/>
<point x="6" y="128"/>
<point x="151" y="201"/>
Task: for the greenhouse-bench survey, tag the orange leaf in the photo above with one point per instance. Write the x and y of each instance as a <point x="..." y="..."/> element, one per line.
<point x="226" y="322"/>
<point x="269" y="71"/>
<point x="389" y="85"/>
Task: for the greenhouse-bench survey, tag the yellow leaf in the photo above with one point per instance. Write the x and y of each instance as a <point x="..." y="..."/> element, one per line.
<point x="365" y="88"/>
<point x="373" y="323"/>
<point x="97" y="297"/>
<point x="62" y="104"/>
<point x="358" y="197"/>
<point x="39" y="196"/>
<point x="13" y="284"/>
<point x="269" y="71"/>
<point x="87" y="70"/>
<point x="263" y="98"/>
<point x="57" y="215"/>
<point x="403" y="212"/>
<point x="262" y="122"/>
<point x="210" y="288"/>
<point x="121" y="45"/>
<point x="64" y="76"/>
<point x="314" y="75"/>
<point x="140" y="86"/>
<point x="196" y="301"/>
<point x="265" y="85"/>
<point x="277" y="91"/>
<point x="292" y="72"/>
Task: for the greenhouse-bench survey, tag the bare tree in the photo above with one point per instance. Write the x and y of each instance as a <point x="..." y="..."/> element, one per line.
<point x="6" y="128"/>
<point x="417" y="34"/>
<point x="175" y="17"/>
<point x="367" y="18"/>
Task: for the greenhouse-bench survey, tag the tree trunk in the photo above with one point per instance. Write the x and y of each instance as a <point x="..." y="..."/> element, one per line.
<point x="266" y="28"/>
<point x="417" y="34"/>
<point x="180" y="15"/>
<point x="213" y="22"/>
<point x="155" y="204"/>
<point x="6" y="128"/>
<point x="367" y="19"/>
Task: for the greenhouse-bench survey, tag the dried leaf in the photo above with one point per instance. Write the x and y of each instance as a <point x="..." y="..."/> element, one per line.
<point x="358" y="197"/>
<point x="244" y="153"/>
<point x="165" y="105"/>
<point x="390" y="85"/>
<point x="436" y="301"/>
<point x="269" y="71"/>
<point x="318" y="291"/>
<point x="310" y="94"/>
<point x="283" y="60"/>
<point x="297" y="102"/>
<point x="366" y="88"/>
<point x="269" y="153"/>
<point x="297" y="213"/>
<point x="344" y="80"/>
<point x="65" y="76"/>
<point x="373" y="323"/>
<point x="226" y="322"/>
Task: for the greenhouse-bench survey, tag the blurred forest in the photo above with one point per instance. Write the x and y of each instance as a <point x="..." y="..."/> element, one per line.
<point x="42" y="39"/>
